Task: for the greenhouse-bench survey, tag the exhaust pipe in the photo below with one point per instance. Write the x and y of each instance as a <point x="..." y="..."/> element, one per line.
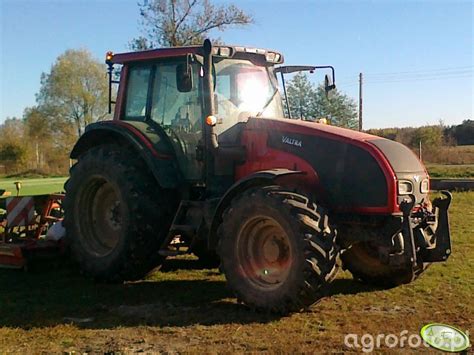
<point x="211" y="136"/>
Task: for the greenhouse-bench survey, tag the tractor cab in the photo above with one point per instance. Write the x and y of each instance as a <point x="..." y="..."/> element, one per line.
<point x="169" y="89"/>
<point x="172" y="89"/>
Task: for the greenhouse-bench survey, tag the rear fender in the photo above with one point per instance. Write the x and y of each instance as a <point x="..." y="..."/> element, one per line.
<point x="283" y="177"/>
<point x="149" y="142"/>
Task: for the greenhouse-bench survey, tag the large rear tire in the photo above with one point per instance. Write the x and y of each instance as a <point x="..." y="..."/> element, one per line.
<point x="362" y="260"/>
<point x="277" y="250"/>
<point x="116" y="216"/>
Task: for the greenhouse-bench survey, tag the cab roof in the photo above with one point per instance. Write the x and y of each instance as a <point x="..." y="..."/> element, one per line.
<point x="221" y="51"/>
<point x="122" y="58"/>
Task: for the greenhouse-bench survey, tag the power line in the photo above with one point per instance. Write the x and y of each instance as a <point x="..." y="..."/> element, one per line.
<point x="347" y="85"/>
<point x="422" y="76"/>
<point x="408" y="79"/>
<point x="415" y="75"/>
<point x="425" y="72"/>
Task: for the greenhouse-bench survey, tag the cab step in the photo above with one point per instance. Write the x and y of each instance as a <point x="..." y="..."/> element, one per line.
<point x="182" y="226"/>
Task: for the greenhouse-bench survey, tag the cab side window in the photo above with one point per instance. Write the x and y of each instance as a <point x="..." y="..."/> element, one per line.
<point x="179" y="111"/>
<point x="137" y="92"/>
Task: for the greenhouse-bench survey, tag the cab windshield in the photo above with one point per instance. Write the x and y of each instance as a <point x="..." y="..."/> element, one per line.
<point x="243" y="90"/>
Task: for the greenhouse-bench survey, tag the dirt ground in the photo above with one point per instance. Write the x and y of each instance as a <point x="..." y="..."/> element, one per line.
<point x="181" y="309"/>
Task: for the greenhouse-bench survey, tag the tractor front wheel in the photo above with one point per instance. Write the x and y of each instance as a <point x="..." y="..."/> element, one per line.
<point x="363" y="261"/>
<point x="116" y="217"/>
<point x="277" y="250"/>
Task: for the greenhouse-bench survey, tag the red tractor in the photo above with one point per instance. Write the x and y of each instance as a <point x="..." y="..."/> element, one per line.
<point x="200" y="159"/>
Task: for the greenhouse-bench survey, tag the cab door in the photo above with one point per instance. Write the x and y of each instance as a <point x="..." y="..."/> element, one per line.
<point x="153" y="96"/>
<point x="179" y="114"/>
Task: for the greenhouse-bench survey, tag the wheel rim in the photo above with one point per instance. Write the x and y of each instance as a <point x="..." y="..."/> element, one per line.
<point x="264" y="252"/>
<point x="102" y="216"/>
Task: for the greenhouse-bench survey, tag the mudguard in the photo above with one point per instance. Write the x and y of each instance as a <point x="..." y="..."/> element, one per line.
<point x="261" y="178"/>
<point x="149" y="141"/>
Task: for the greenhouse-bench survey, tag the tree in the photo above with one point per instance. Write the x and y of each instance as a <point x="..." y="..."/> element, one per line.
<point x="38" y="129"/>
<point x="429" y="136"/>
<point x="75" y="89"/>
<point x="463" y="133"/>
<point x="339" y="108"/>
<point x="310" y="102"/>
<point x="11" y="131"/>
<point x="171" y="23"/>
<point x="301" y="97"/>
<point x="12" y="144"/>
<point x="13" y="155"/>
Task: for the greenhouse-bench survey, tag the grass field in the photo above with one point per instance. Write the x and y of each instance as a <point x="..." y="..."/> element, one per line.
<point x="451" y="171"/>
<point x="178" y="309"/>
<point x="33" y="186"/>
<point x="460" y="154"/>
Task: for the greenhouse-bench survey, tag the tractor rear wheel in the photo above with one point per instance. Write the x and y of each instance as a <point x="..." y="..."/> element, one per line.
<point x="279" y="255"/>
<point x="362" y="260"/>
<point x="115" y="216"/>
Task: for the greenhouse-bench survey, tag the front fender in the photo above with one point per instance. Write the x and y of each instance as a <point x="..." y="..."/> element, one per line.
<point x="150" y="144"/>
<point x="260" y="178"/>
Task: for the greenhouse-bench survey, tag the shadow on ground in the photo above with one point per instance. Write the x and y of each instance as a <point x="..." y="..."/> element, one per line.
<point x="349" y="287"/>
<point x="55" y="295"/>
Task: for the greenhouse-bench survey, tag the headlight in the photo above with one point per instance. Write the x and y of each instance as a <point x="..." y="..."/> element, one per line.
<point x="405" y="187"/>
<point x="425" y="186"/>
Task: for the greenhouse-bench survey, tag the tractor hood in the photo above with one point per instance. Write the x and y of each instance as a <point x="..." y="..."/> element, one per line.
<point x="355" y="168"/>
<point x="401" y="158"/>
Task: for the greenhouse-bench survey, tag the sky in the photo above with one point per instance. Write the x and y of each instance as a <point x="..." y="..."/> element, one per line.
<point x="416" y="56"/>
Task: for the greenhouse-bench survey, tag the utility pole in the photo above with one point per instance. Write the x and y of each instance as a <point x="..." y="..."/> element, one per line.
<point x="360" y="101"/>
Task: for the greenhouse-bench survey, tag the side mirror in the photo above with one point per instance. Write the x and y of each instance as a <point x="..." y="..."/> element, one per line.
<point x="328" y="84"/>
<point x="184" y="77"/>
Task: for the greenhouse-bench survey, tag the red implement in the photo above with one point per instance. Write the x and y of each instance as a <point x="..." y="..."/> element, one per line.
<point x="23" y="229"/>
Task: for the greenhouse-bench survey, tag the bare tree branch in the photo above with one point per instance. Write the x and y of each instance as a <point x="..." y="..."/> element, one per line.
<point x="184" y="22"/>
<point x="186" y="14"/>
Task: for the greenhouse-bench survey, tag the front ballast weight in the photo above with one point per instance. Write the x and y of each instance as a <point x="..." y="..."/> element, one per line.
<point x="438" y="245"/>
<point x="424" y="236"/>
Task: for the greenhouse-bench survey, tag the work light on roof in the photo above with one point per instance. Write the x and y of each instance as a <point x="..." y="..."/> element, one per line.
<point x="224" y="51"/>
<point x="272" y="57"/>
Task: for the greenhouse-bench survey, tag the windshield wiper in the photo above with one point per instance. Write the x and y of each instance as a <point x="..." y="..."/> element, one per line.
<point x="267" y="103"/>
